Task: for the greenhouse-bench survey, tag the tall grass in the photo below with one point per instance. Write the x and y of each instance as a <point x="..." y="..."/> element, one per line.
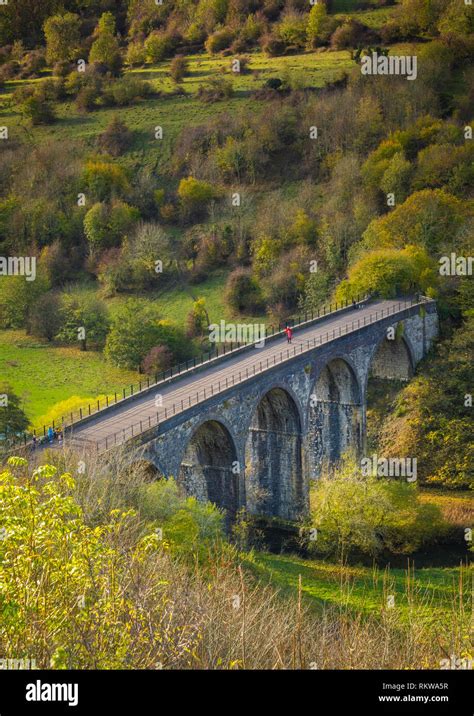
<point x="204" y="609"/>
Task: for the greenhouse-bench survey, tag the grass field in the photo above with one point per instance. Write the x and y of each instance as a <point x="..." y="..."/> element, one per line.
<point x="427" y="592"/>
<point x="171" y="112"/>
<point x="43" y="375"/>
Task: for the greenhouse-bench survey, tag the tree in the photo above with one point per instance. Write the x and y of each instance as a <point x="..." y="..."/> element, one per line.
<point x="104" y="179"/>
<point x="12" y="417"/>
<point x="432" y="415"/>
<point x="292" y="29"/>
<point x="106" y="225"/>
<point x="158" y="46"/>
<point x="396" y="177"/>
<point x="389" y="272"/>
<point x="105" y="48"/>
<point x="428" y="218"/>
<point x="357" y="512"/>
<point x="136" y="54"/>
<point x="84" y="319"/>
<point x="242" y="293"/>
<point x="197" y="320"/>
<point x="316" y="18"/>
<point x="195" y="195"/>
<point x="62" y="33"/>
<point x="133" y="333"/>
<point x="44" y="318"/>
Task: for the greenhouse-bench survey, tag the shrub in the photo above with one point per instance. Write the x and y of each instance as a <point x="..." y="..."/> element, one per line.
<point x="126" y="90"/>
<point x="157" y="360"/>
<point x="44" y="317"/>
<point x="219" y="40"/>
<point x="351" y="34"/>
<point x="136" y="54"/>
<point x="215" y="90"/>
<point x="116" y="139"/>
<point x="242" y="293"/>
<point x="178" y="68"/>
<point x="195" y="195"/>
<point x="273" y="45"/>
<point x="13" y="419"/>
<point x="159" y="45"/>
<point x="38" y="110"/>
<point x="370" y="514"/>
<point x="104" y="179"/>
<point x="87" y="97"/>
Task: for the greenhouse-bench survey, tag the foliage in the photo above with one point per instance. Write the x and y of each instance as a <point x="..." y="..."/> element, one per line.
<point x="157" y="360"/>
<point x="388" y="273"/>
<point x="370" y="514"/>
<point x="116" y="138"/>
<point x="242" y="293"/>
<point x="44" y="317"/>
<point x="13" y="419"/>
<point x="432" y="415"/>
<point x="62" y="37"/>
<point x="133" y="333"/>
<point x="105" y="48"/>
<point x="429" y="218"/>
<point x="84" y="319"/>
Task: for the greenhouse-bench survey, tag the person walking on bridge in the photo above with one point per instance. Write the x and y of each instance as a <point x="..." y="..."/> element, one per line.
<point x="289" y="333"/>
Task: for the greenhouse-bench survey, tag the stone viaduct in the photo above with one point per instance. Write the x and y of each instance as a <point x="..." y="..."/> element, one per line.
<point x="259" y="441"/>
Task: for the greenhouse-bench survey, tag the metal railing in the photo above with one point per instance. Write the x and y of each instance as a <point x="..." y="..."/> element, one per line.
<point x="73" y="418"/>
<point x="136" y="429"/>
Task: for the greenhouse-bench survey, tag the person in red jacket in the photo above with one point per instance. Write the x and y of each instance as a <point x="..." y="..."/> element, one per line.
<point x="289" y="334"/>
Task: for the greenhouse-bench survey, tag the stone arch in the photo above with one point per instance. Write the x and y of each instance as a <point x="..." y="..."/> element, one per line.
<point x="335" y="414"/>
<point x="392" y="358"/>
<point x="273" y="457"/>
<point x="147" y="467"/>
<point x="391" y="361"/>
<point x="209" y="467"/>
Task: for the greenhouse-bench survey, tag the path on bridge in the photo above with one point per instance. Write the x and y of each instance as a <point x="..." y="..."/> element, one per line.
<point x="132" y="417"/>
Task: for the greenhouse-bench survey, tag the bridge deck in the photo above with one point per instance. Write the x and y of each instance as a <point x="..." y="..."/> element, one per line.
<point x="115" y="427"/>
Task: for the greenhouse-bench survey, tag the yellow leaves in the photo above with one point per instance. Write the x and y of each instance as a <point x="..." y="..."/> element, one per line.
<point x="15" y="461"/>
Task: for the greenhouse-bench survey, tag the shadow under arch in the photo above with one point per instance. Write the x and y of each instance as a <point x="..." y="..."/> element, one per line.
<point x="391" y="365"/>
<point x="392" y="358"/>
<point x="209" y="468"/>
<point x="273" y="457"/>
<point x="335" y="415"/>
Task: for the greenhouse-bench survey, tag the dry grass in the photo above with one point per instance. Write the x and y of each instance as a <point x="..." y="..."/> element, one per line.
<point x="213" y="613"/>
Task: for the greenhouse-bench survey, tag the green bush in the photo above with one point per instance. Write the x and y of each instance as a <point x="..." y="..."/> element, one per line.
<point x="370" y="514"/>
<point x="219" y="40"/>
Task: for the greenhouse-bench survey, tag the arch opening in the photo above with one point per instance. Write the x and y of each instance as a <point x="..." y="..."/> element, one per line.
<point x="273" y="458"/>
<point x="392" y="360"/>
<point x="390" y="368"/>
<point x="335" y="420"/>
<point x="208" y="468"/>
